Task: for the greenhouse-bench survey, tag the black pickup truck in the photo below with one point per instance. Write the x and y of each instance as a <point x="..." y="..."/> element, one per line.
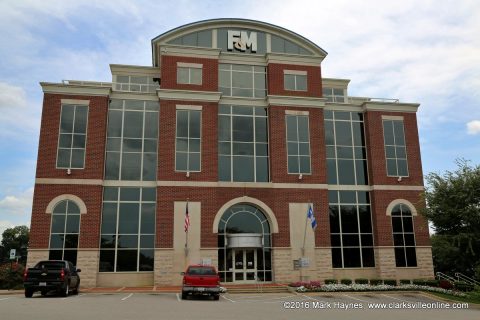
<point x="51" y="275"/>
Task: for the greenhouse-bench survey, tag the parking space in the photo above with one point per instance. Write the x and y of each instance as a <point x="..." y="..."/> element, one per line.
<point x="124" y="305"/>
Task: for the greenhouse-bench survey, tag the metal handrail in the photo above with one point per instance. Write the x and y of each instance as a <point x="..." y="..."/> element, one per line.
<point x="258" y="284"/>
<point x="462" y="277"/>
<point x="441" y="275"/>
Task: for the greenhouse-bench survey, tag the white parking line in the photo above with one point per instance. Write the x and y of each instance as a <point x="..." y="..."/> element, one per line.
<point x="120" y="289"/>
<point x="386" y="295"/>
<point x="131" y="294"/>
<point x="4" y="299"/>
<point x="346" y="295"/>
<point x="178" y="297"/>
<point x="81" y="295"/>
<point x="227" y="299"/>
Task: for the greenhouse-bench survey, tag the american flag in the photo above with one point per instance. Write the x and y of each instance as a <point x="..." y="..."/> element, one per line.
<point x="187" y="218"/>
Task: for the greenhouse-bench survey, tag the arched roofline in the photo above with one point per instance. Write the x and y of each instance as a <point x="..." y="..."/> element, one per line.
<point x="248" y="200"/>
<point x="236" y="22"/>
<point x="407" y="203"/>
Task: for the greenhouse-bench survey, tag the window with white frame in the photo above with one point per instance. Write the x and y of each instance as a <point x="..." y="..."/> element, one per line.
<point x="237" y="80"/>
<point x="136" y="83"/>
<point x="295" y="80"/>
<point x="395" y="148"/>
<point x="188" y="140"/>
<point x="189" y="73"/>
<point x="334" y="95"/>
<point x="64" y="231"/>
<point x="298" y="144"/>
<point x="403" y="236"/>
<point x="72" y="136"/>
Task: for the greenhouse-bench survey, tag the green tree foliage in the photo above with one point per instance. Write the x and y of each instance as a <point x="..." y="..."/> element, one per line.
<point x="453" y="206"/>
<point x="15" y="238"/>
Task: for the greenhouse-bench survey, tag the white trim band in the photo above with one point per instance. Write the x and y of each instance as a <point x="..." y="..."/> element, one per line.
<point x="189" y="65"/>
<point x="187" y="107"/>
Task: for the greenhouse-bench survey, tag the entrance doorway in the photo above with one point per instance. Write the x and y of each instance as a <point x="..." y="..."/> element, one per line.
<point x="244" y="264"/>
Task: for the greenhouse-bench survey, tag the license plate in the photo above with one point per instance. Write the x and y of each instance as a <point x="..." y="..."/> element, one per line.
<point x="42" y="284"/>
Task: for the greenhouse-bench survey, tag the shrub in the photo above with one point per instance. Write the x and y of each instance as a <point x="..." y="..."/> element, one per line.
<point x="419" y="282"/>
<point x="331" y="281"/>
<point x="298" y="284"/>
<point x="346" y="281"/>
<point x="405" y="281"/>
<point x="445" y="284"/>
<point x="390" y="282"/>
<point x="361" y="281"/>
<point x="11" y="279"/>
<point x="376" y="282"/>
<point x="463" y="286"/>
<point x="314" y="284"/>
<point x="432" y="283"/>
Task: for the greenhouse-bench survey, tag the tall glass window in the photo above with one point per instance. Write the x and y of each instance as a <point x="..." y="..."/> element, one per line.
<point x="345" y="143"/>
<point x="72" y="137"/>
<point x="188" y="140"/>
<point x="403" y="236"/>
<point x="351" y="229"/>
<point x="128" y="229"/>
<point x="298" y="144"/>
<point x="132" y="140"/>
<point x="237" y="80"/>
<point x="395" y="148"/>
<point x="242" y="144"/>
<point x="65" y="228"/>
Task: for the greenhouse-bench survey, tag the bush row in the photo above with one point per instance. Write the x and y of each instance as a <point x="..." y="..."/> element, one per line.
<point x="444" y="284"/>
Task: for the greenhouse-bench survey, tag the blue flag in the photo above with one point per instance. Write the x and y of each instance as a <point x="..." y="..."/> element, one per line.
<point x="310" y="216"/>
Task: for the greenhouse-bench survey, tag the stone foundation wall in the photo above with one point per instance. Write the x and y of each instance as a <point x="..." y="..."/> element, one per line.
<point x="163" y="267"/>
<point x="35" y="256"/>
<point x="323" y="261"/>
<point x="87" y="261"/>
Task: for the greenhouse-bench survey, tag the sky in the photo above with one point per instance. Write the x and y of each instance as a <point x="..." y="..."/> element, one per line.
<point x="426" y="52"/>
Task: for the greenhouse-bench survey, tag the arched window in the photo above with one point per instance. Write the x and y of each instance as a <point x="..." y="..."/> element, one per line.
<point x="403" y="236"/>
<point x="64" y="231"/>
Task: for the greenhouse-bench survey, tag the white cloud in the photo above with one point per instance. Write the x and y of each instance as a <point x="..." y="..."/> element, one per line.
<point x="473" y="127"/>
<point x="17" y="205"/>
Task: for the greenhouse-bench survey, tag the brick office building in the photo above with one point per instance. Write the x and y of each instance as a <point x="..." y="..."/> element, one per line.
<point x="235" y="122"/>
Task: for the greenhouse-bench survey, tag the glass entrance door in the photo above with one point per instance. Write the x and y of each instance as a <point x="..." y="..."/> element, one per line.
<point x="244" y="262"/>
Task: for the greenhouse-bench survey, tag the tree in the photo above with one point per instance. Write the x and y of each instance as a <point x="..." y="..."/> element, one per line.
<point x="453" y="206"/>
<point x="16" y="238"/>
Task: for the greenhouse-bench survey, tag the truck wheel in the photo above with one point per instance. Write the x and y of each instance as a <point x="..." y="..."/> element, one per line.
<point x="64" y="292"/>
<point x="184" y="296"/>
<point x="28" y="293"/>
<point x="216" y="297"/>
<point x="43" y="292"/>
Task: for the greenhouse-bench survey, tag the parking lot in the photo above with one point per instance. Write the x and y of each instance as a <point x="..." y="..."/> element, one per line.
<point x="231" y="306"/>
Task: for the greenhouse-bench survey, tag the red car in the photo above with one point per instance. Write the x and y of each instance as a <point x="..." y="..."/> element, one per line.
<point x="201" y="280"/>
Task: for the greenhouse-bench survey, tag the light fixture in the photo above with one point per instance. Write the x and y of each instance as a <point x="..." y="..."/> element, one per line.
<point x="300" y="176"/>
<point x="188" y="174"/>
<point x="69" y="171"/>
<point x="399" y="179"/>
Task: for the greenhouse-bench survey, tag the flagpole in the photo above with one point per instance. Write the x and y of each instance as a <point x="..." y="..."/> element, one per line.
<point x="186" y="231"/>
<point x="305" y="231"/>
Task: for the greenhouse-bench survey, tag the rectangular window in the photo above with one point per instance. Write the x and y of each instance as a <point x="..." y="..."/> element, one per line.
<point x="136" y="83"/>
<point x="395" y="148"/>
<point x="127" y="239"/>
<point x="72" y="136"/>
<point x="334" y="95"/>
<point x="242" y="81"/>
<point x="189" y="73"/>
<point x="351" y="233"/>
<point x="188" y="141"/>
<point x="298" y="144"/>
<point x="242" y="144"/>
<point x="132" y="137"/>
<point x="295" y="80"/>
<point x="345" y="146"/>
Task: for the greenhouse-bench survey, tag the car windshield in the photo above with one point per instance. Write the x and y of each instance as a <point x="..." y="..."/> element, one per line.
<point x="52" y="265"/>
<point x="201" y="271"/>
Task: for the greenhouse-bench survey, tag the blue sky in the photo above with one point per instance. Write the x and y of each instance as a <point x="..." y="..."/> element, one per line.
<point x="417" y="51"/>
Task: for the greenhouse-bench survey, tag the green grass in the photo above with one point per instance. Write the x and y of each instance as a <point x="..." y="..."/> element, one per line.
<point x="472" y="297"/>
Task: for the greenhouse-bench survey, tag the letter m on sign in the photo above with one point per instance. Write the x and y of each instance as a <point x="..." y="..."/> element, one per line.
<point x="249" y="41"/>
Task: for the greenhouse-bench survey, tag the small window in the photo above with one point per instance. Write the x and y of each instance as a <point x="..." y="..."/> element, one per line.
<point x="295" y="82"/>
<point x="403" y="236"/>
<point x="72" y="137"/>
<point x="188" y="140"/>
<point x="334" y="95"/>
<point x="189" y="74"/>
<point x="395" y="148"/>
